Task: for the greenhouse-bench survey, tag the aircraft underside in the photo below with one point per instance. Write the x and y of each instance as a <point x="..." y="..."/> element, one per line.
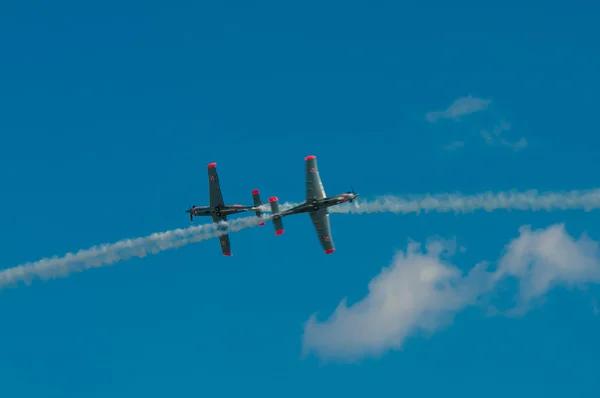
<point x="218" y="211"/>
<point x="315" y="205"/>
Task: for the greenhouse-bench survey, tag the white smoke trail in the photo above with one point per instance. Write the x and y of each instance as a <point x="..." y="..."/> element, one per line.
<point x="533" y="200"/>
<point x="108" y="254"/>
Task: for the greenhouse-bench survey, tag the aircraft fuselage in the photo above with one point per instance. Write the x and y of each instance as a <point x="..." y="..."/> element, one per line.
<point x="316" y="204"/>
<point x="225" y="210"/>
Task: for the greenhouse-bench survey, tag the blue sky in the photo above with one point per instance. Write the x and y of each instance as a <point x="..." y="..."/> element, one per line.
<point x="111" y="112"/>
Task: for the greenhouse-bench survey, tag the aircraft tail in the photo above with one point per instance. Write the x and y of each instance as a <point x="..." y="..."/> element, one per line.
<point x="277" y="221"/>
<point x="257" y="204"/>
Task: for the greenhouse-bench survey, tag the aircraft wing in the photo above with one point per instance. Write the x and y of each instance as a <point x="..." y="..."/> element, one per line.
<point x="225" y="245"/>
<point x="320" y="220"/>
<point x="214" y="187"/>
<point x="223" y="239"/>
<point x="314" y="186"/>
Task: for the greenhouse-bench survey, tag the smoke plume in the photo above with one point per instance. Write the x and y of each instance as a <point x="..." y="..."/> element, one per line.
<point x="459" y="203"/>
<point x="107" y="254"/>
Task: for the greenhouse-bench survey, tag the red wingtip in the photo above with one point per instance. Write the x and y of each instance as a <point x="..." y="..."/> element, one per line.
<point x="212" y="165"/>
<point x="273" y="199"/>
<point x="279" y="232"/>
<point x="227" y="254"/>
<point x="262" y="224"/>
<point x="310" y="157"/>
<point x="329" y="251"/>
<point x="255" y="192"/>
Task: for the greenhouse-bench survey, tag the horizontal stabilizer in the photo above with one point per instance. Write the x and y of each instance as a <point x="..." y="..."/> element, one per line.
<point x="257" y="204"/>
<point x="277" y="221"/>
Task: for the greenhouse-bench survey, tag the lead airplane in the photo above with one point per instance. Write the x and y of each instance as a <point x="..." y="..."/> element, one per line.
<point x="316" y="205"/>
<point x="219" y="211"/>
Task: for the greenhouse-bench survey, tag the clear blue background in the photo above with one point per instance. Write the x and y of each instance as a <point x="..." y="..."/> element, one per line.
<point x="109" y="113"/>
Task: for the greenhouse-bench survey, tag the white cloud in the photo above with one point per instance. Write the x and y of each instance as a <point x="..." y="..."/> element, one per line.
<point x="495" y="138"/>
<point x="467" y="105"/>
<point x="419" y="291"/>
<point x="548" y="257"/>
<point x="422" y="291"/>
<point x="460" y="107"/>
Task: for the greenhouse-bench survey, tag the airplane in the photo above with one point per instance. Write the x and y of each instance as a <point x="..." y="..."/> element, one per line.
<point x="316" y="205"/>
<point x="219" y="211"/>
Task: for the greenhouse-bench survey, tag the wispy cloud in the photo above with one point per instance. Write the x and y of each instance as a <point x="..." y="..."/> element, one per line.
<point x="460" y="107"/>
<point x="467" y="105"/>
<point x="495" y="137"/>
<point x="422" y="291"/>
<point x="454" y="146"/>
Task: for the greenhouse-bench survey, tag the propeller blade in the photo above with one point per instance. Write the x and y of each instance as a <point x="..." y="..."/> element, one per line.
<point x="191" y="211"/>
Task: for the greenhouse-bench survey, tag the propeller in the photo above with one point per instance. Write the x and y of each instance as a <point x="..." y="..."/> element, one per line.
<point x="354" y="193"/>
<point x="191" y="211"/>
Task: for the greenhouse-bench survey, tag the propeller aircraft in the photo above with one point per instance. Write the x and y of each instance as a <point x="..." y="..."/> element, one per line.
<point x="315" y="205"/>
<point x="219" y="211"/>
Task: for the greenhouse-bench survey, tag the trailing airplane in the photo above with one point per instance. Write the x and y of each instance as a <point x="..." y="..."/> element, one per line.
<point x="219" y="211"/>
<point x="316" y="205"/>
